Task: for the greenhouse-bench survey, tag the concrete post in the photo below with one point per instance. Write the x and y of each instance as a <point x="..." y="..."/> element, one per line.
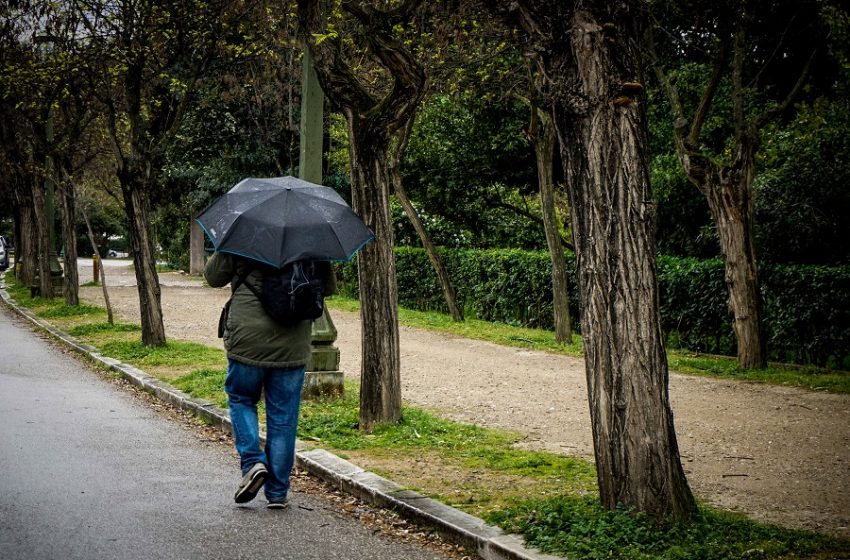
<point x="196" y="248"/>
<point x="312" y="121"/>
<point x="323" y="375"/>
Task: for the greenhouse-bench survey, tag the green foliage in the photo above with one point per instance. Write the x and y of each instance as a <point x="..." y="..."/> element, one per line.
<point x="172" y="227"/>
<point x="683" y="222"/>
<point x="64" y="310"/>
<point x="808" y="377"/>
<point x="802" y="200"/>
<point x="467" y="165"/>
<point x="807" y="318"/>
<point x="510" y="286"/>
<point x="693" y="301"/>
<point x="580" y="528"/>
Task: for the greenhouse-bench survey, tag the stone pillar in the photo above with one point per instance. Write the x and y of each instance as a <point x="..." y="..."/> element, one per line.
<point x="196" y="248"/>
<point x="312" y="120"/>
<point x="323" y="377"/>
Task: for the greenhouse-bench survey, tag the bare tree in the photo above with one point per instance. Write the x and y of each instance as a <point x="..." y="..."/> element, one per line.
<point x="148" y="58"/>
<point x="589" y="54"/>
<point x="544" y="139"/>
<point x="727" y="182"/>
<point x="373" y="116"/>
<point x="449" y="293"/>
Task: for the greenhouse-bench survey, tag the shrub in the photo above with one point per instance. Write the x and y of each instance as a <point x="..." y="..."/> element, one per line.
<point x="807" y="316"/>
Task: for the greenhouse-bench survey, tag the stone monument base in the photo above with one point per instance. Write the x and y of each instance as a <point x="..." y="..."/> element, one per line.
<point x="318" y="384"/>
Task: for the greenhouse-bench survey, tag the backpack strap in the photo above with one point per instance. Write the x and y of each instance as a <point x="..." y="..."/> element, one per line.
<point x="241" y="279"/>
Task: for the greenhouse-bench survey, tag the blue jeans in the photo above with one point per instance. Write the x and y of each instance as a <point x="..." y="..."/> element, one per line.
<point x="243" y="386"/>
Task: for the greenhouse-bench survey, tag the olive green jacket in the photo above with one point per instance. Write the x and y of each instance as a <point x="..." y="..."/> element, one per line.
<point x="250" y="336"/>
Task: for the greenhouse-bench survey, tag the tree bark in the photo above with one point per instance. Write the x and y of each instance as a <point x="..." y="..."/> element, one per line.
<point x="589" y="55"/>
<point x="42" y="239"/>
<point x="728" y="192"/>
<point x="543" y="139"/>
<point x="97" y="263"/>
<point x="196" y="248"/>
<point x="735" y="229"/>
<point x="380" y="374"/>
<point x="71" y="279"/>
<point x="147" y="280"/>
<point x="26" y="242"/>
<point x="728" y="187"/>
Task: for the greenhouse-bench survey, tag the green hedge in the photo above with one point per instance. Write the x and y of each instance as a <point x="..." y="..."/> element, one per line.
<point x="807" y="308"/>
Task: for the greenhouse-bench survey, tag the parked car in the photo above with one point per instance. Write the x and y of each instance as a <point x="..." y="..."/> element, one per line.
<point x="4" y="253"/>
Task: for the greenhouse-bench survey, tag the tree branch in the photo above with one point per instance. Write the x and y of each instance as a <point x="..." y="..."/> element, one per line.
<point x="680" y="121"/>
<point x="336" y="79"/>
<point x="707" y="97"/>
<point x="526" y="213"/>
<point x="737" y="81"/>
<point x="769" y="113"/>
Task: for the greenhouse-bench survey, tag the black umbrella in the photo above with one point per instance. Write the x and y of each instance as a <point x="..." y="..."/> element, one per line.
<point x="283" y="219"/>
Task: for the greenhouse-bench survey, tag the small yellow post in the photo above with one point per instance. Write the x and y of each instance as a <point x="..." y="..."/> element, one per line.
<point x="95" y="260"/>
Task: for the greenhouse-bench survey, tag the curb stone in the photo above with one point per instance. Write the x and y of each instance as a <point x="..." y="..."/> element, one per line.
<point x="490" y="542"/>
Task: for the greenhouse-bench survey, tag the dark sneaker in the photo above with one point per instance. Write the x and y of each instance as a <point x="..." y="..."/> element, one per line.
<point x="278" y="504"/>
<point x="251" y="483"/>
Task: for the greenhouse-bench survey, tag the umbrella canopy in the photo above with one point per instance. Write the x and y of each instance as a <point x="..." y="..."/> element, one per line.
<point x="282" y="220"/>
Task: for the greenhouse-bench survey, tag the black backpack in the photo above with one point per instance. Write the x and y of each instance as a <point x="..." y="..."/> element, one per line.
<point x="293" y="293"/>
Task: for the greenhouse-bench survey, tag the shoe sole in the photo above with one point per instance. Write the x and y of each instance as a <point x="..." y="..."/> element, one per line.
<point x="249" y="491"/>
<point x="278" y="505"/>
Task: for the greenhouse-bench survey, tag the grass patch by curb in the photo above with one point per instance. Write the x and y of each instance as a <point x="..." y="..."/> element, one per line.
<point x="204" y="383"/>
<point x="166" y="362"/>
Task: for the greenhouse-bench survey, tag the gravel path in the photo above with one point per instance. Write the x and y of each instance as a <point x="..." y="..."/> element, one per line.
<point x="778" y="454"/>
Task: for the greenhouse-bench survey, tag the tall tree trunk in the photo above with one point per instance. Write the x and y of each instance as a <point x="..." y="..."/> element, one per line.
<point x="728" y="191"/>
<point x="728" y="188"/>
<point x="97" y="263"/>
<point x="380" y="374"/>
<point x="71" y="279"/>
<point x="449" y="293"/>
<point x="588" y="51"/>
<point x="543" y="138"/>
<point x="728" y="194"/>
<point x="42" y="239"/>
<point x="26" y="242"/>
<point x="604" y="148"/>
<point x="147" y="280"/>
<point x="196" y="248"/>
<point x="372" y="122"/>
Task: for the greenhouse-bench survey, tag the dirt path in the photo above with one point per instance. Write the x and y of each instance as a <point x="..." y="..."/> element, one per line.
<point x="778" y="454"/>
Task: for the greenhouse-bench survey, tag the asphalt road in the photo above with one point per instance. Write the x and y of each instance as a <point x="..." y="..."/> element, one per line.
<point x="88" y="472"/>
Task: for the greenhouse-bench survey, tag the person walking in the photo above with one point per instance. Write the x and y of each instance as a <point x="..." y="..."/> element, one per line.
<point x="263" y="356"/>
